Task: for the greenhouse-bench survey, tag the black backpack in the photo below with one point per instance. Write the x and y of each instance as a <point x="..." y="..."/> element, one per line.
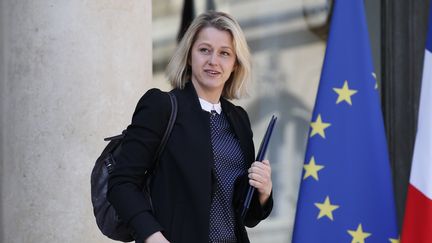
<point x="106" y="216"/>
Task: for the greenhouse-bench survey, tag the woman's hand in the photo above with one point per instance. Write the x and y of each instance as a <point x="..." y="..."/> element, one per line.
<point x="260" y="178"/>
<point x="156" y="238"/>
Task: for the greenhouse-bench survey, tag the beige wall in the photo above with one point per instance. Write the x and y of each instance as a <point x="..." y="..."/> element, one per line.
<point x="71" y="73"/>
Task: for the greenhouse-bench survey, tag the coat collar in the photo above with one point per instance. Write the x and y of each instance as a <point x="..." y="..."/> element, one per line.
<point x="236" y="117"/>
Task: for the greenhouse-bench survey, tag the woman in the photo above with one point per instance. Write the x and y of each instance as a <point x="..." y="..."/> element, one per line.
<point x="208" y="161"/>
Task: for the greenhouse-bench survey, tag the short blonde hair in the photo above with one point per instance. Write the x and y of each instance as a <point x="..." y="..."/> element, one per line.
<point x="179" y="71"/>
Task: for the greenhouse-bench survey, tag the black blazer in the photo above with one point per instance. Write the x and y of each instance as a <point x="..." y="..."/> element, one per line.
<point x="181" y="188"/>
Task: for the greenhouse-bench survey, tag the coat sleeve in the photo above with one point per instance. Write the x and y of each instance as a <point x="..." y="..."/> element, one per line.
<point x="257" y="212"/>
<point x="135" y="157"/>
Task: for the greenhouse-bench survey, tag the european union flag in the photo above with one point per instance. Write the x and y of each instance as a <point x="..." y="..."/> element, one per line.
<point x="346" y="192"/>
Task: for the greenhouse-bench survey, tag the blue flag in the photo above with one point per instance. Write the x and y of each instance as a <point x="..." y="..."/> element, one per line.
<point x="346" y="192"/>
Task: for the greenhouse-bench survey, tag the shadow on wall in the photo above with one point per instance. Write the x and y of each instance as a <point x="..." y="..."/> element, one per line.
<point x="2" y="111"/>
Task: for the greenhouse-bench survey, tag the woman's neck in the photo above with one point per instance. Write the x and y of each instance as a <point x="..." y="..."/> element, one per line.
<point x="212" y="96"/>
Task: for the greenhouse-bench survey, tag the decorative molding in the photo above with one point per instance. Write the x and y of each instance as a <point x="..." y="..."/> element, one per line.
<point x="317" y="14"/>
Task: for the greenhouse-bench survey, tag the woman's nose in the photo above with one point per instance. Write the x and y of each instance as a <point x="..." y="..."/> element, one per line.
<point x="213" y="59"/>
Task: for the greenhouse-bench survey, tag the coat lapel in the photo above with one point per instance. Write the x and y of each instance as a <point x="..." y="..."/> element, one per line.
<point x="197" y="123"/>
<point x="241" y="129"/>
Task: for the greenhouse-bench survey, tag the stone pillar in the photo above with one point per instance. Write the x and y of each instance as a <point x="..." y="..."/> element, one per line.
<point x="71" y="73"/>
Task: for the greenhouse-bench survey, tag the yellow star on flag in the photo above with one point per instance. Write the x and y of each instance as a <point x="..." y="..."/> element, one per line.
<point x="359" y="235"/>
<point x="312" y="169"/>
<point x="318" y="127"/>
<point x="394" y="240"/>
<point x="344" y="93"/>
<point x="326" y="208"/>
<point x="376" y="81"/>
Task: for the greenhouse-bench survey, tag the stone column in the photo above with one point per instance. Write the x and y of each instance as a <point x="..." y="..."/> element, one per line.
<point x="71" y="74"/>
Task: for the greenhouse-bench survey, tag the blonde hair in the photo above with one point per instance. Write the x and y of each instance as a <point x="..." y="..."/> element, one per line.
<point x="179" y="71"/>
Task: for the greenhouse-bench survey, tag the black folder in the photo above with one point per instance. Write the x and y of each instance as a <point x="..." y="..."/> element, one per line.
<point x="260" y="157"/>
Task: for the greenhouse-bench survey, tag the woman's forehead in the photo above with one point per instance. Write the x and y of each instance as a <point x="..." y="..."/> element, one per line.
<point x="214" y="36"/>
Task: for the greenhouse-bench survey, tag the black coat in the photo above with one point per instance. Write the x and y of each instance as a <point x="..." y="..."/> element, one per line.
<point x="181" y="188"/>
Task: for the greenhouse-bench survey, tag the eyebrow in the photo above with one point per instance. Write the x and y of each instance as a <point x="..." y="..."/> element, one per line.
<point x="222" y="47"/>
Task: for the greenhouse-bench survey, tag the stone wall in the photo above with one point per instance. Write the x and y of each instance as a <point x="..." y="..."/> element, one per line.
<point x="71" y="74"/>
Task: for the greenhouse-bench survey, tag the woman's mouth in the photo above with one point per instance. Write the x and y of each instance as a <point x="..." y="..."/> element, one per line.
<point x="212" y="72"/>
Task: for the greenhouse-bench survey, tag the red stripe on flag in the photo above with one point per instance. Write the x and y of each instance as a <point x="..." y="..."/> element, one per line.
<point x="417" y="225"/>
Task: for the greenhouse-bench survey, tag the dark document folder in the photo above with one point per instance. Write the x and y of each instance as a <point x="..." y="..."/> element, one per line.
<point x="260" y="157"/>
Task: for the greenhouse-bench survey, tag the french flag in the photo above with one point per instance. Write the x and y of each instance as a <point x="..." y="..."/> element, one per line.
<point x="417" y="225"/>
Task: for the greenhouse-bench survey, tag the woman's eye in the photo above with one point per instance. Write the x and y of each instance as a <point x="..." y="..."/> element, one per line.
<point x="204" y="50"/>
<point x="224" y="53"/>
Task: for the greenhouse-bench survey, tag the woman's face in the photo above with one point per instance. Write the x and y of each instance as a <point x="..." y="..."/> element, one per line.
<point x="212" y="61"/>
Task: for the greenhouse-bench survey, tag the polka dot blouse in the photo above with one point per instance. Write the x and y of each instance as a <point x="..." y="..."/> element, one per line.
<point x="228" y="165"/>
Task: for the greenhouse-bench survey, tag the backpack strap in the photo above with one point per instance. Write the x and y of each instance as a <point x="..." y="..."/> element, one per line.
<point x="161" y="147"/>
<point x="168" y="129"/>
